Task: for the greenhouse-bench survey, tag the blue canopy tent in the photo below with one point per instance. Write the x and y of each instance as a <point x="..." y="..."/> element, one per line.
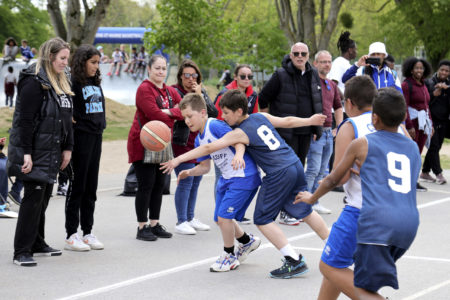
<point x="120" y="35"/>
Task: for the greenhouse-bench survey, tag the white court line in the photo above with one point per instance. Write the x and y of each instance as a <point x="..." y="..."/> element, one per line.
<point x="432" y="203"/>
<point x="428" y="290"/>
<point x="135" y="280"/>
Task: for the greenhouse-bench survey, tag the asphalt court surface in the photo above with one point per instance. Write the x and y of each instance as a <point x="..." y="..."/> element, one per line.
<point x="178" y="268"/>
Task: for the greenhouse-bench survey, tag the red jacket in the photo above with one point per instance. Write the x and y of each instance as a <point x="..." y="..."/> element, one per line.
<point x="148" y="110"/>
<point x="252" y="97"/>
<point x="418" y="98"/>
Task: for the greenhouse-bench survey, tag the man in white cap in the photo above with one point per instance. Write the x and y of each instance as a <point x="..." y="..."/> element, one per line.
<point x="374" y="66"/>
<point x="103" y="58"/>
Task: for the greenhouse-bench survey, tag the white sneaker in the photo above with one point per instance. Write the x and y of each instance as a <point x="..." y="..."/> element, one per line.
<point x="197" y="225"/>
<point x="225" y="263"/>
<point x="244" y="250"/>
<point x="74" y="243"/>
<point x="321" y="209"/>
<point x="92" y="241"/>
<point x="285" y="219"/>
<point x="184" y="228"/>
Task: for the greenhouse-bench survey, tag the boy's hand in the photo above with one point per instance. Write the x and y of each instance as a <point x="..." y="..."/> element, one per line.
<point x="317" y="120"/>
<point x="168" y="167"/>
<point x="183" y="175"/>
<point x="304" y="196"/>
<point x="238" y="162"/>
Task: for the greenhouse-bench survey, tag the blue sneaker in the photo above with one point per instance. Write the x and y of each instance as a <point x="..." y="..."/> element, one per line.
<point x="290" y="268"/>
<point x="244" y="250"/>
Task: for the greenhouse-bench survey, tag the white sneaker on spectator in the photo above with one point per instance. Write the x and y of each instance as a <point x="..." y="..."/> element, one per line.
<point x="74" y="243"/>
<point x="184" y="228"/>
<point x="321" y="209"/>
<point x="197" y="225"/>
<point x="92" y="241"/>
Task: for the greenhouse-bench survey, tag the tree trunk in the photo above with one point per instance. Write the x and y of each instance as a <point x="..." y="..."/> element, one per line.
<point x="304" y="29"/>
<point x="77" y="33"/>
<point x="56" y="18"/>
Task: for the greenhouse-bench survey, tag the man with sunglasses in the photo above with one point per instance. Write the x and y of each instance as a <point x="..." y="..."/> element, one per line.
<point x="294" y="90"/>
<point x="321" y="149"/>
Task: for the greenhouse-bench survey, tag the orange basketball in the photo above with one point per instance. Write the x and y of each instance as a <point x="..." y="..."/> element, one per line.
<point x="155" y="136"/>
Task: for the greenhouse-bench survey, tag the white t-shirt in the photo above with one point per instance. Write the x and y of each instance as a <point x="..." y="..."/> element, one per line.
<point x="9" y="77"/>
<point x="338" y="68"/>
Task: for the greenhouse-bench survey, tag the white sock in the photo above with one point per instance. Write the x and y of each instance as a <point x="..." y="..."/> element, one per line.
<point x="289" y="251"/>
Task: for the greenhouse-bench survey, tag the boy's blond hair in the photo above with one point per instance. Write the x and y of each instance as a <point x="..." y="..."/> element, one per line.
<point x="195" y="101"/>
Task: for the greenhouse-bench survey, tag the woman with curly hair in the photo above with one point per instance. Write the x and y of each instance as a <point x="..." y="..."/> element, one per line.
<point x="10" y="49"/>
<point x="418" y="119"/>
<point x="88" y="123"/>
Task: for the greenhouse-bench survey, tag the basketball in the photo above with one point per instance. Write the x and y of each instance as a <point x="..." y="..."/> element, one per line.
<point x="155" y="136"/>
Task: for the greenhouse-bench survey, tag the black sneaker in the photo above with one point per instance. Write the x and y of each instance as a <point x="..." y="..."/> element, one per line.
<point x="24" y="260"/>
<point x="47" y="251"/>
<point x="160" y="231"/>
<point x="15" y="197"/>
<point x="420" y="188"/>
<point x="245" y="221"/>
<point x="146" y="234"/>
<point x="290" y="268"/>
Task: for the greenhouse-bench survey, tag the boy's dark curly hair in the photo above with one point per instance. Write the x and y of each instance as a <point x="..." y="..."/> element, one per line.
<point x="78" y="64"/>
<point x="409" y="64"/>
<point x="345" y="42"/>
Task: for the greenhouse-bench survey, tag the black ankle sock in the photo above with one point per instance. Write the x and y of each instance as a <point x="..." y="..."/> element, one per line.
<point x="229" y="249"/>
<point x="244" y="239"/>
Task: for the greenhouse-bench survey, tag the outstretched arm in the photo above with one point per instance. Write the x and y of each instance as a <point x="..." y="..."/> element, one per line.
<point x="202" y="168"/>
<point x="356" y="150"/>
<point x="231" y="138"/>
<point x="292" y="122"/>
<point x="238" y="159"/>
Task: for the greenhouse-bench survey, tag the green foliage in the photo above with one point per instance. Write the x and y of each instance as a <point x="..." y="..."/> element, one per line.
<point x="128" y="13"/>
<point x="22" y="20"/>
<point x="347" y="20"/>
<point x="190" y="27"/>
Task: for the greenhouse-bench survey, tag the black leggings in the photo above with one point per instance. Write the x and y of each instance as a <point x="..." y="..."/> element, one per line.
<point x="150" y="189"/>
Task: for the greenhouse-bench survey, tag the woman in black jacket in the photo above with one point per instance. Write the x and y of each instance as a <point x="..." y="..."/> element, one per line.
<point x="41" y="143"/>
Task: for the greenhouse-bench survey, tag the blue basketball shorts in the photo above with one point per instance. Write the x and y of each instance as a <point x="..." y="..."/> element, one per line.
<point x="341" y="244"/>
<point x="232" y="203"/>
<point x="375" y="266"/>
<point x="278" y="191"/>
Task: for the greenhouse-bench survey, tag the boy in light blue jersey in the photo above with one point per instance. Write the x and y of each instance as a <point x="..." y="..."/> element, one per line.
<point x="390" y="165"/>
<point x="236" y="187"/>
<point x="284" y="173"/>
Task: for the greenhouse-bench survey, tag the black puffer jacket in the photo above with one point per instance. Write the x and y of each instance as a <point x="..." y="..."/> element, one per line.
<point x="50" y="136"/>
<point x="440" y="105"/>
<point x="282" y="93"/>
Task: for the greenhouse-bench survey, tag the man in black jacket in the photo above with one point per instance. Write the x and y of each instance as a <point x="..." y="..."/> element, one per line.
<point x="438" y="87"/>
<point x="294" y="90"/>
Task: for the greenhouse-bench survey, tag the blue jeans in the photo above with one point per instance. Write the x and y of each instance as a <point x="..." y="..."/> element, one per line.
<point x="318" y="158"/>
<point x="3" y="179"/>
<point x="186" y="194"/>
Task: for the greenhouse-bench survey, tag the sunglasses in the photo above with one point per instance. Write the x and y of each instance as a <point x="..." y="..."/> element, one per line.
<point x="328" y="85"/>
<point x="188" y="75"/>
<point x="250" y="77"/>
<point x="298" y="53"/>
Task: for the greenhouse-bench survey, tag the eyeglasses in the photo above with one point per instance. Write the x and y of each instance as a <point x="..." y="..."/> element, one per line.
<point x="298" y="53"/>
<point x="250" y="77"/>
<point x="328" y="85"/>
<point x="188" y="75"/>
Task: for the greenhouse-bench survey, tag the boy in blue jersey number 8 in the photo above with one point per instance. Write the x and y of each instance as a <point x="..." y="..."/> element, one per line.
<point x="236" y="186"/>
<point x="389" y="219"/>
<point x="284" y="173"/>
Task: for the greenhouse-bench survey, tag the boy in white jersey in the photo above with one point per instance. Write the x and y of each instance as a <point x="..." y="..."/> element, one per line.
<point x="337" y="255"/>
<point x="236" y="187"/>
<point x="284" y="174"/>
<point x="389" y="167"/>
